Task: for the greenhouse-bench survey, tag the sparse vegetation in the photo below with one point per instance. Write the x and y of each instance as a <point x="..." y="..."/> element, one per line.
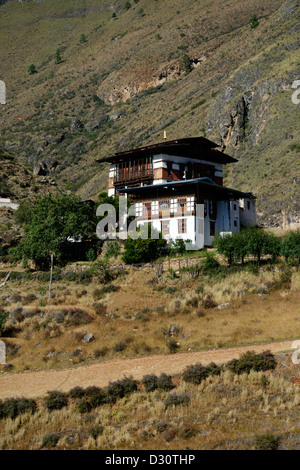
<point x="32" y="69"/>
<point x="266" y="442"/>
<point x="241" y="401"/>
<point x="254" y="22"/>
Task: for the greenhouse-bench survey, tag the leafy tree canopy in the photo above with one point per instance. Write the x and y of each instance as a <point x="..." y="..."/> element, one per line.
<point x="56" y="224"/>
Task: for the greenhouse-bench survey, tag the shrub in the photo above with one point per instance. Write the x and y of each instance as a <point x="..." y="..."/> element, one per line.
<point x="76" y="392"/>
<point x="164" y="382"/>
<point x="194" y="374"/>
<point x="209" y="303"/>
<point x="3" y="317"/>
<point x="121" y="346"/>
<point x="91" y="391"/>
<point x="96" y="431"/>
<point x="127" y="5"/>
<point x="176" y="246"/>
<point x="91" y="255"/>
<point x="101" y="270"/>
<point x="83" y="406"/>
<point x="173" y="346"/>
<point x="99" y="398"/>
<point x="129" y="385"/>
<point x="13" y="407"/>
<point x="100" y="309"/>
<point x="193" y="302"/>
<point x="51" y="440"/>
<point x="161" y="426"/>
<point x="56" y="401"/>
<point x="144" y="250"/>
<point x="150" y="382"/>
<point x="251" y="361"/>
<point x="266" y="442"/>
<point x="254" y="22"/>
<point x="78" y="317"/>
<point x="187" y="432"/>
<point x="213" y="369"/>
<point x="101" y="352"/>
<point x="32" y="69"/>
<point x="113" y="249"/>
<point x="185" y="63"/>
<point x="210" y="266"/>
<point x="120" y="389"/>
<point x="175" y="399"/>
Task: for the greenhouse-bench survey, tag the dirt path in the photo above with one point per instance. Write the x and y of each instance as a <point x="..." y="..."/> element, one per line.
<point x="36" y="384"/>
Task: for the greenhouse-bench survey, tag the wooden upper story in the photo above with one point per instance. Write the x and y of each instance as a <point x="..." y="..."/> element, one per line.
<point x="175" y="160"/>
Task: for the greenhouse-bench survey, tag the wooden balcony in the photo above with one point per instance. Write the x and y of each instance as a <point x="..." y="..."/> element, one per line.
<point x="133" y="178"/>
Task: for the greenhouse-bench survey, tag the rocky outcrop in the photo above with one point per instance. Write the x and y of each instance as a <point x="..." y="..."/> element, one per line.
<point x="113" y="91"/>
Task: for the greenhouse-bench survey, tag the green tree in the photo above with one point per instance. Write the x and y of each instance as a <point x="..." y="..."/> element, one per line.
<point x="225" y="245"/>
<point x="114" y="15"/>
<point x="22" y="215"/>
<point x="58" y="58"/>
<point x="185" y="63"/>
<point x="82" y="39"/>
<point x="32" y="69"/>
<point x="290" y="246"/>
<point x="254" y="22"/>
<point x="272" y="246"/>
<point x="56" y="225"/>
<point x="257" y="240"/>
<point x="127" y="5"/>
<point x="240" y="243"/>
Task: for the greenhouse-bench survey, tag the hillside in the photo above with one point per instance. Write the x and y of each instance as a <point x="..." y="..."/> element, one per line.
<point x="122" y="81"/>
<point x="18" y="181"/>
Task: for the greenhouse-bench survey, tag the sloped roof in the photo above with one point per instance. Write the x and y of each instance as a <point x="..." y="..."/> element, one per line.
<point x="193" y="147"/>
<point x="204" y="186"/>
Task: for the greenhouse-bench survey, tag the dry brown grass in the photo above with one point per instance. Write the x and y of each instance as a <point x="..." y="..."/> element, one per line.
<point x="225" y="412"/>
<point x="140" y="314"/>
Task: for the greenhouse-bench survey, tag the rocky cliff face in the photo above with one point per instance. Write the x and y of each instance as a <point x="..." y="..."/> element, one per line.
<point x="114" y="92"/>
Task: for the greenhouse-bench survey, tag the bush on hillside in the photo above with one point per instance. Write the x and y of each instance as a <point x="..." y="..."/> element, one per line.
<point x="266" y="442"/>
<point x="13" y="407"/>
<point x="175" y="399"/>
<point x="251" y="361"/>
<point x="196" y="373"/>
<point x="56" y="400"/>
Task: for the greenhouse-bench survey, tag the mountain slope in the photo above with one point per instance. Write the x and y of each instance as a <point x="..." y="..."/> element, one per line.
<point x="125" y="81"/>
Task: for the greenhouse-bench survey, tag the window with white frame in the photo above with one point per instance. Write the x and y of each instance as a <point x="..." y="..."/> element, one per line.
<point x="181" y="205"/>
<point x="165" y="227"/>
<point x="164" y="204"/>
<point x="190" y="204"/>
<point x="173" y="205"/>
<point x="138" y="209"/>
<point x="181" y="226"/>
<point x="154" y="208"/>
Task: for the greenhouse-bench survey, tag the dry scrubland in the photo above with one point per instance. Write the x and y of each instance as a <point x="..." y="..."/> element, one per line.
<point x="136" y="315"/>
<point x="139" y="315"/>
<point x="226" y="411"/>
